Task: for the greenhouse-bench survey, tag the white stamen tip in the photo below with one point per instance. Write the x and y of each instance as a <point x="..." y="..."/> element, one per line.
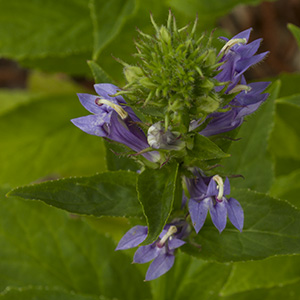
<point x="218" y="179"/>
<point x="118" y="109"/>
<point x="170" y="232"/>
<point x="240" y="87"/>
<point x="231" y="43"/>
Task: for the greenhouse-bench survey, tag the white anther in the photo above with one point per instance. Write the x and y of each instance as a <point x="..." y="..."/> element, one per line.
<point x="231" y="43"/>
<point x="240" y="87"/>
<point x="220" y="186"/>
<point x="170" y="232"/>
<point x="119" y="110"/>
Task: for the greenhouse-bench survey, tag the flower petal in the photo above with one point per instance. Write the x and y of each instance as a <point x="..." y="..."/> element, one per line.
<point x="198" y="212"/>
<point x="218" y="213"/>
<point x="94" y="124"/>
<point x="146" y="253"/>
<point x="212" y="189"/>
<point x="175" y="243"/>
<point x="226" y="186"/>
<point x="162" y="264"/>
<point x="105" y="90"/>
<point x="133" y="237"/>
<point x="88" y="102"/>
<point x="235" y="213"/>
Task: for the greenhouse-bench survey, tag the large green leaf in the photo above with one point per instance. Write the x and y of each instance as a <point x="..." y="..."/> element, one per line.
<point x="271" y="228"/>
<point x="250" y="156"/>
<point x="205" y="149"/>
<point x="268" y="273"/>
<point x="207" y="11"/>
<point x="287" y="187"/>
<point x="122" y="46"/>
<point x="191" y="279"/>
<point x="156" y="192"/>
<point x="45" y="247"/>
<point x="38" y="140"/>
<point x="285" y="141"/>
<point x="108" y="18"/>
<point x="288" y="292"/>
<point x="44" y="293"/>
<point x="36" y="28"/>
<point x="105" y="194"/>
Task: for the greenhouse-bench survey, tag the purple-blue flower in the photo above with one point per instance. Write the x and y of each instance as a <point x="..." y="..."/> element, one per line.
<point x="208" y="194"/>
<point x="237" y="56"/>
<point x="161" y="251"/>
<point x="113" y="119"/>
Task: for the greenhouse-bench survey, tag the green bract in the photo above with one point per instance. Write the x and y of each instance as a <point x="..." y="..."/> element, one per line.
<point x="175" y="75"/>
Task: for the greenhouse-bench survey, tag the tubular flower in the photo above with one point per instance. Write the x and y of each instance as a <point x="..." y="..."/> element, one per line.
<point x="237" y="56"/>
<point x="113" y="119"/>
<point x="208" y="194"/>
<point x="161" y="251"/>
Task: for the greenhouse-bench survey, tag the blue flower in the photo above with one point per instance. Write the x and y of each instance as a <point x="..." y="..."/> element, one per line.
<point x="237" y="56"/>
<point x="161" y="251"/>
<point x="208" y="194"/>
<point x="113" y="119"/>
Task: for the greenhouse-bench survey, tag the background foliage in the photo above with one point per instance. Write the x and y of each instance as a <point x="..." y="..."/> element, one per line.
<point x="52" y="254"/>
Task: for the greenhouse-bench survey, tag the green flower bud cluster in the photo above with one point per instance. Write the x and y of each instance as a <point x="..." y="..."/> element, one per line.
<point x="174" y="79"/>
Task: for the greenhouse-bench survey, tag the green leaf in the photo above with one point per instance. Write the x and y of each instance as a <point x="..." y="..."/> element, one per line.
<point x="268" y="273"/>
<point x="70" y="63"/>
<point x="271" y="228"/>
<point x="156" y="192"/>
<point x="295" y="31"/>
<point x="105" y="194"/>
<point x="250" y="156"/>
<point x="99" y="74"/>
<point x="60" y="27"/>
<point x="284" y="141"/>
<point x="207" y="11"/>
<point x="46" y="247"/>
<point x="191" y="279"/>
<point x="43" y="293"/>
<point x="115" y="161"/>
<point x="289" y="84"/>
<point x="287" y="187"/>
<point x="288" y="292"/>
<point x="205" y="149"/>
<point x="122" y="46"/>
<point x="108" y="18"/>
<point x="39" y="141"/>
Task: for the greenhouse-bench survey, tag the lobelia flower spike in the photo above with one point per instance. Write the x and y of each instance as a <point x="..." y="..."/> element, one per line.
<point x="208" y="194"/>
<point x="161" y="251"/>
<point x="113" y="119"/>
<point x="237" y="56"/>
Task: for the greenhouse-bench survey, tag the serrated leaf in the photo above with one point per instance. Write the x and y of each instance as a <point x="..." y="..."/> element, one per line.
<point x="105" y="194"/>
<point x="205" y="149"/>
<point x="287" y="187"/>
<point x="250" y="156"/>
<point x="108" y="18"/>
<point x="39" y="141"/>
<point x="268" y="273"/>
<point x="271" y="228"/>
<point x="156" y="192"/>
<point x="100" y="76"/>
<point x="44" y="246"/>
<point x="284" y="141"/>
<point x="295" y="31"/>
